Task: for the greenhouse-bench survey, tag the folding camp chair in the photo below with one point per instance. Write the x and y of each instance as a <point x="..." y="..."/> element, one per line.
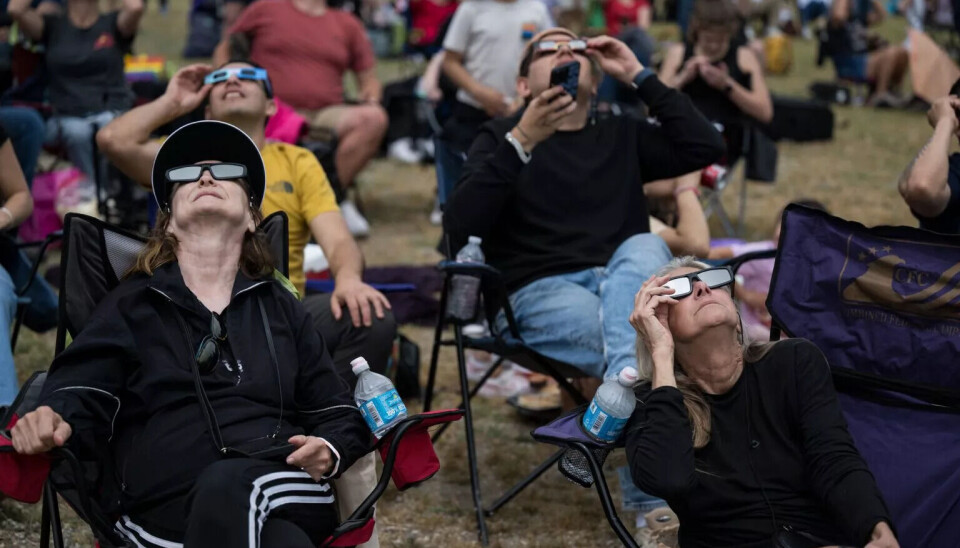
<point x="881" y="303"/>
<point x="507" y="345"/>
<point x="583" y="456"/>
<point x="95" y="257"/>
<point x="753" y="148"/>
<point x="23" y="272"/>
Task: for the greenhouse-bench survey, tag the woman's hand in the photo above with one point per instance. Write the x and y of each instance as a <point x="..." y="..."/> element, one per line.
<point x="690" y="70"/>
<point x="882" y="537"/>
<point x="651" y="315"/>
<point x="543" y="116"/>
<point x="615" y="58"/>
<point x="39" y="431"/>
<point x="716" y="77"/>
<point x="313" y="456"/>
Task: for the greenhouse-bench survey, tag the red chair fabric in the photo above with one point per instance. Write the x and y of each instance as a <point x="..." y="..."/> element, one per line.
<point x="21" y="476"/>
<point x="416" y="460"/>
<point x="354" y="537"/>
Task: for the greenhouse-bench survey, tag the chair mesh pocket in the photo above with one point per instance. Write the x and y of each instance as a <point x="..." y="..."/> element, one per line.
<point x="573" y="465"/>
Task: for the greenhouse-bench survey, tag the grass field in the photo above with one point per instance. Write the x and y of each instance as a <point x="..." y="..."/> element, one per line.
<point x="854" y="175"/>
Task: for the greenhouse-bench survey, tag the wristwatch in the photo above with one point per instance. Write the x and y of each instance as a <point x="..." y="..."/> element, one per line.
<point x="524" y="156"/>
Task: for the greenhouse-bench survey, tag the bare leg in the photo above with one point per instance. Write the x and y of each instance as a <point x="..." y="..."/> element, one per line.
<point x="360" y="132"/>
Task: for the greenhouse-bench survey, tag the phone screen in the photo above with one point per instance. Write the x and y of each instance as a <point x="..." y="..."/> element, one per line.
<point x="567" y="76"/>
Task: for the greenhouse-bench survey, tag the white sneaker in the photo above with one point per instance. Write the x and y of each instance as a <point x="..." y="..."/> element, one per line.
<point x="356" y="223"/>
<point x="507" y="383"/>
<point x="313" y="259"/>
<point x="403" y="150"/>
<point x="436" y="216"/>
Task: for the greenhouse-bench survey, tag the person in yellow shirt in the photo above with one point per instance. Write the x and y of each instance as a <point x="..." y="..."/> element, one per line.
<point x="355" y="320"/>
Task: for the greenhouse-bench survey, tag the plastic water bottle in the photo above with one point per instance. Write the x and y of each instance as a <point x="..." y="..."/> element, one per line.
<point x="377" y="399"/>
<point x="465" y="289"/>
<point x="611" y="407"/>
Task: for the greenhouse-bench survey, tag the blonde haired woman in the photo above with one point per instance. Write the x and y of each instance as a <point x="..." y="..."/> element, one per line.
<point x="745" y="443"/>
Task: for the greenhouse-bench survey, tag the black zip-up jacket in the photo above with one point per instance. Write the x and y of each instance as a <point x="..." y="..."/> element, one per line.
<point x="581" y="195"/>
<point x="126" y="383"/>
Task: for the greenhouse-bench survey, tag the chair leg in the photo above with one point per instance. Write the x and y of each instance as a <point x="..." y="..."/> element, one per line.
<point x="434" y="356"/>
<point x="21" y="312"/>
<point x="435" y="352"/>
<point x="471" y="445"/>
<point x="524" y="483"/>
<point x="604" y="494"/>
<point x="50" y="519"/>
<point x="476" y="388"/>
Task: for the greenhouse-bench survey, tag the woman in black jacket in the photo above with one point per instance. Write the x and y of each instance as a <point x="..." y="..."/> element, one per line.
<point x="202" y="375"/>
<point x="745" y="444"/>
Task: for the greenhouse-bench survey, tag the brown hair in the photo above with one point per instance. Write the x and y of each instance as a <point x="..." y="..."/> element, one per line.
<point x="713" y="14"/>
<point x="256" y="259"/>
<point x="698" y="409"/>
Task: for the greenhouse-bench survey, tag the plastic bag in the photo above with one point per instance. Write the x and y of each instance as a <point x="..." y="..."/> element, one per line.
<point x="76" y="194"/>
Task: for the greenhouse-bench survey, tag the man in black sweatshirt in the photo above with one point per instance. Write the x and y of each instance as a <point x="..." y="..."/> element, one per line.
<point x="557" y="197"/>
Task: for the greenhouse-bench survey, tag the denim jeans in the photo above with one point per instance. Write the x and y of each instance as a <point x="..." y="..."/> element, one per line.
<point x="26" y="129"/>
<point x="8" y="308"/>
<point x="76" y="134"/>
<point x="582" y="318"/>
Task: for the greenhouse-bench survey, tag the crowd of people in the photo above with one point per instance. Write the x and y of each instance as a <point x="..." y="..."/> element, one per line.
<point x="585" y="192"/>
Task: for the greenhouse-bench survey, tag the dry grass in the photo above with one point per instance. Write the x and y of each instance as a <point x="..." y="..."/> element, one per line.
<point x="854" y="175"/>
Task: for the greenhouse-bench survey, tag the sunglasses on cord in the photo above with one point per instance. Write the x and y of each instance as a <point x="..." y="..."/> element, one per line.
<point x="193" y="172"/>
<point x="242" y="73"/>
<point x="714" y="278"/>
<point x="208" y="353"/>
<point x="553" y="46"/>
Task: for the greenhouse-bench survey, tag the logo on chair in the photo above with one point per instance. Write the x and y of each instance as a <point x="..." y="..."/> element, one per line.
<point x="903" y="277"/>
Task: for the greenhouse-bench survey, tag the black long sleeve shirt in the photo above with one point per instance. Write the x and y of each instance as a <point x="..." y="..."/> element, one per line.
<point x="581" y="195"/>
<point x="778" y="435"/>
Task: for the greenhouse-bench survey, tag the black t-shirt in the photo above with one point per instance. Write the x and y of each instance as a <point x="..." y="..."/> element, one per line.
<point x="86" y="65"/>
<point x="3" y="136"/>
<point x="948" y="222"/>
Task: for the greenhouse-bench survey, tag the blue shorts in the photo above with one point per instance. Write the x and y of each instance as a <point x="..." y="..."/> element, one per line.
<point x="852" y="66"/>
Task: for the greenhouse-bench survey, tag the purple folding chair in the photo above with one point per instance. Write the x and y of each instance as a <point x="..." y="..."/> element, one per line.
<point x="883" y="304"/>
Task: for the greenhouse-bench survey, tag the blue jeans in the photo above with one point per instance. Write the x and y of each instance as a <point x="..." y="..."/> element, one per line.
<point x="449" y="165"/>
<point x="76" y="134"/>
<point x="582" y="318"/>
<point x="26" y="129"/>
<point x="8" y="308"/>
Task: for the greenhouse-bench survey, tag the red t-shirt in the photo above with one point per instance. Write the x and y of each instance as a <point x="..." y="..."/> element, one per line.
<point x="428" y="16"/>
<point x="618" y="12"/>
<point x="306" y="56"/>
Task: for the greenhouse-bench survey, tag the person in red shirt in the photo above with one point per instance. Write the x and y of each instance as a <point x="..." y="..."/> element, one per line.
<point x="308" y="47"/>
<point x="427" y="18"/>
<point x="621" y="14"/>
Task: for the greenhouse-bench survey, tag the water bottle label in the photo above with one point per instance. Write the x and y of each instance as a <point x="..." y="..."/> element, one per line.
<point x="601" y="425"/>
<point x="383" y="409"/>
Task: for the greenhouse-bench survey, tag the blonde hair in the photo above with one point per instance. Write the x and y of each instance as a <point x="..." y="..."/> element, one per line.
<point x="694" y="399"/>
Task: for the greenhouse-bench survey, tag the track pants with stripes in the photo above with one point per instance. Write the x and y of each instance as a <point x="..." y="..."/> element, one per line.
<point x="240" y="503"/>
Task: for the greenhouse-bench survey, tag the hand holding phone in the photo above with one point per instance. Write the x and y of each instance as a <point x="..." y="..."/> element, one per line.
<point x="567" y="76"/>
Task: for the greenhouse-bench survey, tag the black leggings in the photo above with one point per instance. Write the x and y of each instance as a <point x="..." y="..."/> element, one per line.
<point x="236" y="503"/>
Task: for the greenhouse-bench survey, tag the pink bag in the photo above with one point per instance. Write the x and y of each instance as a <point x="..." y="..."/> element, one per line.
<point x="286" y="125"/>
<point x="44" y="219"/>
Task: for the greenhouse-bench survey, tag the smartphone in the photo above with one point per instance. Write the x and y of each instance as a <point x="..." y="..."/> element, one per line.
<point x="567" y="76"/>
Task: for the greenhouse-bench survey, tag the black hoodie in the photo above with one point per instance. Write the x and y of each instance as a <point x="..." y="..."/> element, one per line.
<point x="126" y="383"/>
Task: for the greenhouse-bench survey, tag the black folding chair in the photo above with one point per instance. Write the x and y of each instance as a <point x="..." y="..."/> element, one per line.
<point x="94" y="259"/>
<point x="508" y="345"/>
<point x="24" y="273"/>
